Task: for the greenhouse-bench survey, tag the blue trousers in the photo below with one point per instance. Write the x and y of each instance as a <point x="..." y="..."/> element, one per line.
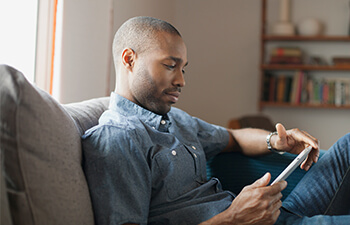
<point x="323" y="195"/>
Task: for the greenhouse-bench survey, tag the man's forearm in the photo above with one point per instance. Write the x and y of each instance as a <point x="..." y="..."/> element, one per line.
<point x="249" y="141"/>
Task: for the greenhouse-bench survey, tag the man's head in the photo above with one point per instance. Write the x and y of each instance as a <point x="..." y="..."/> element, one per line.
<point x="149" y="56"/>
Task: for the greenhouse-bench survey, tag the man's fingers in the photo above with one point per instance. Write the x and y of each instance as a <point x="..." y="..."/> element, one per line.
<point x="306" y="138"/>
<point x="275" y="209"/>
<point x="263" y="181"/>
<point x="259" y="202"/>
<point x="311" y="158"/>
<point x="284" y="142"/>
<point x="277" y="187"/>
<point x="295" y="141"/>
<point x="281" y="130"/>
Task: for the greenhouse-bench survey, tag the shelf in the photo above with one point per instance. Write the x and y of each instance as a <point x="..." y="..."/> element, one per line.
<point x="305" y="38"/>
<point x="302" y="105"/>
<point x="297" y="40"/>
<point x="305" y="67"/>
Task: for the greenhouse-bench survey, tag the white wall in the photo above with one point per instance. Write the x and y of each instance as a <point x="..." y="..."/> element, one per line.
<point x="222" y="38"/>
<point x="223" y="42"/>
<point x="86" y="51"/>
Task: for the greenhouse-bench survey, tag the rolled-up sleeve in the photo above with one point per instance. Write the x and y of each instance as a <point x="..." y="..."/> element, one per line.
<point x="212" y="137"/>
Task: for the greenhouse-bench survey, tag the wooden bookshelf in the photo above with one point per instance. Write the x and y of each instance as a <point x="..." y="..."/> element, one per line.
<point x="307" y="38"/>
<point x="305" y="67"/>
<point x="302" y="105"/>
<point x="266" y="69"/>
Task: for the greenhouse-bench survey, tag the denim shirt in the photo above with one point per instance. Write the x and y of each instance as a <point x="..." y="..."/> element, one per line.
<point x="145" y="168"/>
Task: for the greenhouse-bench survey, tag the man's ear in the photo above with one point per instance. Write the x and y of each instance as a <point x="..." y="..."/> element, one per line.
<point x="128" y="58"/>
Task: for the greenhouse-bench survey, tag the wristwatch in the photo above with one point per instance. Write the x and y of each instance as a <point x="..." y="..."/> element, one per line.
<point x="269" y="147"/>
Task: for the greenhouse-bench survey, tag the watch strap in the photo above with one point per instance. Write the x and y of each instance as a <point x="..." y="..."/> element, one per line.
<point x="268" y="142"/>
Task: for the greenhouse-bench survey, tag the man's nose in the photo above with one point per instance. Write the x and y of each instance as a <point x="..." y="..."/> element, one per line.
<point x="179" y="79"/>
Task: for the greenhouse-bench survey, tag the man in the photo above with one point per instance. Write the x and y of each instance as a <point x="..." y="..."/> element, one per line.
<point x="145" y="161"/>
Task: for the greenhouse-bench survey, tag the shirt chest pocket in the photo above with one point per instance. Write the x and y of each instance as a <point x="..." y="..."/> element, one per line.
<point x="179" y="170"/>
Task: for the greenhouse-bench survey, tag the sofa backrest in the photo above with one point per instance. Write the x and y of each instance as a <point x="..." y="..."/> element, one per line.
<point x="41" y="154"/>
<point x="86" y="113"/>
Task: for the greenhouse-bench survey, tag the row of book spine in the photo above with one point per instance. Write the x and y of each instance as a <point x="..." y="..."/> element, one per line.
<point x="303" y="88"/>
<point x="286" y="55"/>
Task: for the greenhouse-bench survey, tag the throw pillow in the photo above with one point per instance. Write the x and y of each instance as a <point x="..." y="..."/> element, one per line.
<point x="41" y="156"/>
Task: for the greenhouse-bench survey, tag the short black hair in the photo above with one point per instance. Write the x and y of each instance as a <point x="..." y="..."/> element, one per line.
<point x="138" y="33"/>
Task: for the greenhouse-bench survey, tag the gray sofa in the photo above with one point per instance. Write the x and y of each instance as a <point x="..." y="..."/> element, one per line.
<point x="42" y="181"/>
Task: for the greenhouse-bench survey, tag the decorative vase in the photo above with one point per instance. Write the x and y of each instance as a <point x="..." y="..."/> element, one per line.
<point x="284" y="26"/>
<point x="310" y="27"/>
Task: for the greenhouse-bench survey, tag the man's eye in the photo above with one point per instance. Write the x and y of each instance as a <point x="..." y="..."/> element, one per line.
<point x="170" y="66"/>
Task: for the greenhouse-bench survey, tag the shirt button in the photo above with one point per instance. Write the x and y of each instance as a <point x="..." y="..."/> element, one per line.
<point x="195" y="155"/>
<point x="173" y="152"/>
<point x="154" y="128"/>
<point x="193" y="147"/>
<point x="163" y="122"/>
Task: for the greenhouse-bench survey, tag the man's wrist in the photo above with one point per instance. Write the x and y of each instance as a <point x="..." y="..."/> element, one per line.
<point x="269" y="146"/>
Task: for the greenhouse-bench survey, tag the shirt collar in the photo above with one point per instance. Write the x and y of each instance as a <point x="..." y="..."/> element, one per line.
<point x="128" y="108"/>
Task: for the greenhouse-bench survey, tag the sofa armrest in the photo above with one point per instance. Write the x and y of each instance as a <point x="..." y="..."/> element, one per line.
<point x="235" y="170"/>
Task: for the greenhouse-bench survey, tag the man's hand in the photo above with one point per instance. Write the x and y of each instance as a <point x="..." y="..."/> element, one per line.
<point x="294" y="141"/>
<point x="256" y="204"/>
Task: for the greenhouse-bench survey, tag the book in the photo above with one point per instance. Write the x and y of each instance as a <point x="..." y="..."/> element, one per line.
<point x="286" y="55"/>
<point x="331" y="93"/>
<point x="338" y="92"/>
<point x="325" y="92"/>
<point x="316" y="92"/>
<point x="299" y="87"/>
<point x="266" y="87"/>
<point x="286" y="51"/>
<point x="285" y="60"/>
<point x="281" y="86"/>
<point x="302" y="88"/>
<point x="294" y="89"/>
<point x="347" y="93"/>
<point x="341" y="60"/>
<point x="310" y="89"/>
<point x="272" y="91"/>
<point x="328" y="91"/>
<point x="288" y="87"/>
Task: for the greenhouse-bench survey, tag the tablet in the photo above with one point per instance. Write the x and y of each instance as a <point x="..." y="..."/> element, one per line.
<point x="293" y="165"/>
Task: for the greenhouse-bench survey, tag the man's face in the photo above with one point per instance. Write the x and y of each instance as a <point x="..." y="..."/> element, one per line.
<point x="158" y="74"/>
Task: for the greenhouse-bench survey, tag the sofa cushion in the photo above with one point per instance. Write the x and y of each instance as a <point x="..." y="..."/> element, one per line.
<point x="5" y="215"/>
<point x="86" y="113"/>
<point x="41" y="156"/>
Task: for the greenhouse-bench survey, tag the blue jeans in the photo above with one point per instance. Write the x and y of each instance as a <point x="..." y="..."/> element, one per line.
<point x="323" y="195"/>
